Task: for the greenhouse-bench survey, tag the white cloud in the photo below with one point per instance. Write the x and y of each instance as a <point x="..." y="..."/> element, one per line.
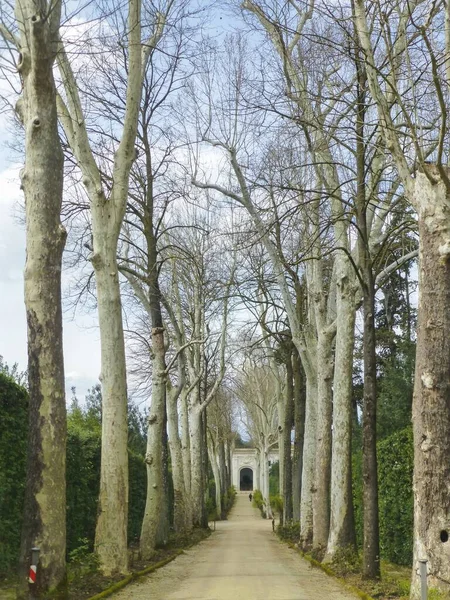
<point x="81" y="337"/>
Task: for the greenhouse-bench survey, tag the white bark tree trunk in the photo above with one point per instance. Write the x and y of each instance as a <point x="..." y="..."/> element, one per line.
<point x="196" y="439"/>
<point x="321" y="493"/>
<point x="185" y="441"/>
<point x="309" y="462"/>
<point x="107" y="212"/>
<point x="431" y="409"/>
<point x="42" y="183"/>
<point x="216" y="474"/>
<point x="342" y="530"/>
<point x="111" y="531"/>
<point x="155" y="481"/>
<point x="182" y="517"/>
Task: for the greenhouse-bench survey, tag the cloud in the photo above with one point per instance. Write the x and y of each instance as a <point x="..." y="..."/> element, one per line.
<point x="81" y="337"/>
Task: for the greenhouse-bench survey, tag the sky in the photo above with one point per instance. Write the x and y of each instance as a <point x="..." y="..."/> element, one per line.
<point x="81" y="336"/>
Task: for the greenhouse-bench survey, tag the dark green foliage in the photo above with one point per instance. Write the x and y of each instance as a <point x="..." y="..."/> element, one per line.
<point x="227" y="501"/>
<point x="13" y="451"/>
<point x="258" y="502"/>
<point x="395" y="472"/>
<point x="396" y="461"/>
<point x="290" y="532"/>
<point x="276" y="502"/>
<point x="395" y="392"/>
<point x="137" y="494"/>
<point x="83" y="471"/>
<point x="358" y="496"/>
<point x="274" y="479"/>
<point x="346" y="561"/>
<point x="83" y="480"/>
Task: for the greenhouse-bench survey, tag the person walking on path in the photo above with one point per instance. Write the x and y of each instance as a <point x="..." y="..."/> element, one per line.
<point x="250" y="496"/>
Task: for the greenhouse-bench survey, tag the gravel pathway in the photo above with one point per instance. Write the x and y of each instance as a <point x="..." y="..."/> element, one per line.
<point x="241" y="560"/>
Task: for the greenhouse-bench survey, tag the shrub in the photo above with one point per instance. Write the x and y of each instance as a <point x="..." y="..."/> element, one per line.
<point x="395" y="472"/>
<point x="13" y="453"/>
<point x="276" y="502"/>
<point x="258" y="502"/>
<point x="346" y="561"/>
<point x="396" y="461"/>
<point x="290" y="531"/>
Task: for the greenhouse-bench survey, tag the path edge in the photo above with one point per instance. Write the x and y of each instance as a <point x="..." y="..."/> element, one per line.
<point x="133" y="576"/>
<point x="315" y="563"/>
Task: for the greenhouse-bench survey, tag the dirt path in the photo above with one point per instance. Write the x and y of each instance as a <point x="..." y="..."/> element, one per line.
<point x="242" y="560"/>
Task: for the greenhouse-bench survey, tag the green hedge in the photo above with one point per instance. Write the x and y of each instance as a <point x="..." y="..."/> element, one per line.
<point x="13" y="451"/>
<point x="83" y="476"/>
<point x="395" y="475"/>
<point x="83" y="480"/>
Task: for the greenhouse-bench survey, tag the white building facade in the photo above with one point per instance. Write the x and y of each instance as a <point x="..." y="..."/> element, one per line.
<point x="246" y="468"/>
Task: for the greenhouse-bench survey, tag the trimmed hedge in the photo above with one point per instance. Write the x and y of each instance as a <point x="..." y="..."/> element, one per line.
<point x="395" y="476"/>
<point x="13" y="453"/>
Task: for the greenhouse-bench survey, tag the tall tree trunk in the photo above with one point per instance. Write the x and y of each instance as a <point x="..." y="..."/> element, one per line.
<point x="197" y="490"/>
<point x="371" y="543"/>
<point x="181" y="513"/>
<point x="162" y="533"/>
<point x="42" y="182"/>
<point x="222" y="468"/>
<point x="229" y="463"/>
<point x="258" y="479"/>
<point x="265" y="480"/>
<point x="299" y="434"/>
<point x="154" y="453"/>
<point x="111" y="531"/>
<point x="205" y="469"/>
<point x="287" y="429"/>
<point x="321" y="493"/>
<point x="217" y="479"/>
<point x="342" y="525"/>
<point x="185" y="441"/>
<point x="308" y="466"/>
<point x="431" y="406"/>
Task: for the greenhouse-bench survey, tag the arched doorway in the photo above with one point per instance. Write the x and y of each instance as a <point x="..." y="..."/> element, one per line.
<point x="246" y="480"/>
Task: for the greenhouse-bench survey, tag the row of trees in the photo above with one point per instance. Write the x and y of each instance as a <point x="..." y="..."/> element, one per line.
<point x="282" y="175"/>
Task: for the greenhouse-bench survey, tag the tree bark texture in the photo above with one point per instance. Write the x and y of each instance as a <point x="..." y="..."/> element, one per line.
<point x="308" y="466"/>
<point x="42" y="182"/>
<point x="299" y="433"/>
<point x="431" y="402"/>
<point x="111" y="531"/>
<point x="321" y="489"/>
<point x="197" y="490"/>
<point x="342" y="526"/>
<point x="181" y="514"/>
<point x="154" y="454"/>
<point x="287" y="446"/>
<point x="371" y="542"/>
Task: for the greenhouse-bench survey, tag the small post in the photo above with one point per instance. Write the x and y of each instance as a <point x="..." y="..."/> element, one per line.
<point x="423" y="579"/>
<point x="33" y="572"/>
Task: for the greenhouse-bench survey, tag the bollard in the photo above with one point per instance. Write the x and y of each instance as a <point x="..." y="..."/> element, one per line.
<point x="423" y="579"/>
<point x="33" y="572"/>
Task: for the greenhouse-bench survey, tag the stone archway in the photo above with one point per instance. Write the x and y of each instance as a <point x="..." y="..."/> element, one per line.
<point x="246" y="479"/>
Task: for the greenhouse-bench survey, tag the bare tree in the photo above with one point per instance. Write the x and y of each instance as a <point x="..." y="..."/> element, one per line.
<point x="426" y="186"/>
<point x="42" y="182"/>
